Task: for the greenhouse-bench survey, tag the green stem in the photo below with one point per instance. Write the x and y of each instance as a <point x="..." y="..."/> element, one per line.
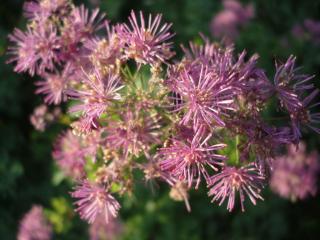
<point x="237" y="150"/>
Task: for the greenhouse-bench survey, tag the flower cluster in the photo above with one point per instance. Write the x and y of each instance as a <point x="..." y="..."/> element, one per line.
<point x="196" y="121"/>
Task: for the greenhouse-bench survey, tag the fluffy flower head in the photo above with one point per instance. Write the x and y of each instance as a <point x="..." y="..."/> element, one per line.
<point x="187" y="160"/>
<point x="146" y="43"/>
<point x="93" y="201"/>
<point x="245" y="180"/>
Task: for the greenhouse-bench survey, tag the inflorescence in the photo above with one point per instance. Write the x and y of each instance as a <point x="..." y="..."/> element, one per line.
<point x="189" y="122"/>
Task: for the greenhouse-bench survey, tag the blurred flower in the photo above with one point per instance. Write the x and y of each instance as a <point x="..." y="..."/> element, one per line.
<point x="146" y="44"/>
<point x="54" y="86"/>
<point x="227" y="22"/>
<point x="34" y="50"/>
<point x="313" y="27"/>
<point x="246" y="180"/>
<point x="179" y="192"/>
<point x="298" y="31"/>
<point x="100" y="230"/>
<point x="69" y="154"/>
<point x="71" y="151"/>
<point x="93" y="202"/>
<point x="41" y="117"/>
<point x="294" y="175"/>
<point x="308" y="30"/>
<point x="187" y="160"/>
<point x="34" y="226"/>
<point x="43" y="9"/>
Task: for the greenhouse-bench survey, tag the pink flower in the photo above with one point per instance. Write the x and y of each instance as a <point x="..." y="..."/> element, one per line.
<point x="187" y="160"/>
<point x="86" y="24"/>
<point x="227" y="22"/>
<point x="100" y="230"/>
<point x="34" y="226"/>
<point x="306" y="115"/>
<point x="203" y="96"/>
<point x="294" y="175"/>
<point x="42" y="117"/>
<point x="43" y="9"/>
<point x="98" y="93"/>
<point x="106" y="51"/>
<point x="80" y="26"/>
<point x="289" y="84"/>
<point x="133" y="134"/>
<point x="313" y="28"/>
<point x="35" y="49"/>
<point x="147" y="44"/>
<point x="71" y="151"/>
<point x="245" y="180"/>
<point x="69" y="154"/>
<point x="204" y="53"/>
<point x="54" y="86"/>
<point x="93" y="201"/>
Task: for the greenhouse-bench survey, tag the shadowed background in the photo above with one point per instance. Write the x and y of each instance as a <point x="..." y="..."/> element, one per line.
<point x="28" y="174"/>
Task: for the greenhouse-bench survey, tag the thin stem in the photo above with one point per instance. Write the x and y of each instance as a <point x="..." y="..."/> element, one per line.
<point x="237" y="150"/>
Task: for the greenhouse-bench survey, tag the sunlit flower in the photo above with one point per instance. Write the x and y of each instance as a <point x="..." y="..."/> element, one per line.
<point x="147" y="44"/>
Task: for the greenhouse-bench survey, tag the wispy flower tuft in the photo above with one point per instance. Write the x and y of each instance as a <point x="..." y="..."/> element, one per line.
<point x="94" y="201"/>
<point x="245" y="180"/>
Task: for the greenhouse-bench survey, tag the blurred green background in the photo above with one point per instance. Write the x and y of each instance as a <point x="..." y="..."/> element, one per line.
<point x="28" y="174"/>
